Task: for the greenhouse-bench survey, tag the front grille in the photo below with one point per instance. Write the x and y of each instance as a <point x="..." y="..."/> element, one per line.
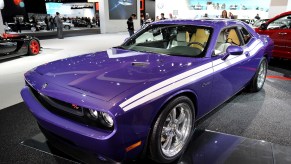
<point x="65" y="110"/>
<point x="67" y="107"/>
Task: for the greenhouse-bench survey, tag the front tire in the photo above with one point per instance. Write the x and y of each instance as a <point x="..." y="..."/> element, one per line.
<point x="172" y="130"/>
<point x="257" y="82"/>
<point x="67" y="27"/>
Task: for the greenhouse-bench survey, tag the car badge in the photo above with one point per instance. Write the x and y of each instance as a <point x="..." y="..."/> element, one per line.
<point x="44" y="86"/>
<point x="75" y="106"/>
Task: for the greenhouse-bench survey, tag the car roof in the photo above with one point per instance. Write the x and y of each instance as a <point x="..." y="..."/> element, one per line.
<point x="215" y="23"/>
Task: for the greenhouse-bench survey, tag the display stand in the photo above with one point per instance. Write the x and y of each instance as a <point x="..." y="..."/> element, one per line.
<point x="205" y="147"/>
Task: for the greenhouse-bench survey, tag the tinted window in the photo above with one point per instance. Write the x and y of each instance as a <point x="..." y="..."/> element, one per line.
<point x="226" y="38"/>
<point x="246" y="36"/>
<point x="281" y="23"/>
<point x="182" y="40"/>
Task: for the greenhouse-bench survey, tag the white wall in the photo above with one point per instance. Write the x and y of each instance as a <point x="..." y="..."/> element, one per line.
<point x="186" y="12"/>
<point x="111" y="26"/>
<point x="1" y="24"/>
<point x="168" y="6"/>
<point x="289" y="5"/>
<point x="1" y="20"/>
<point x="68" y="12"/>
<point x="277" y="7"/>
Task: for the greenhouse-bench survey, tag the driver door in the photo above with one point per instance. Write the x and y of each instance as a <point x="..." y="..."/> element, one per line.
<point x="232" y="73"/>
<point x="279" y="31"/>
<point x="7" y="46"/>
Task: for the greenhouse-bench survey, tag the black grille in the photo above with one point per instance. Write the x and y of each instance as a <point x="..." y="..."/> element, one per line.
<point x="80" y="116"/>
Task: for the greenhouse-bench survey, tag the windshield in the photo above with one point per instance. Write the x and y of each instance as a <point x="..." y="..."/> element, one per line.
<point x="181" y="40"/>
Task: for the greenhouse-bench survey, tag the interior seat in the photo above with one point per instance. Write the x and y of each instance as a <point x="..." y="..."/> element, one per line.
<point x="201" y="36"/>
<point x="182" y="39"/>
<point x="233" y="38"/>
<point x="221" y="44"/>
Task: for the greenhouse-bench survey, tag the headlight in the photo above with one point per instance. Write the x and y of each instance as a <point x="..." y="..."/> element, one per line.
<point x="93" y="113"/>
<point x="100" y="118"/>
<point x="107" y="119"/>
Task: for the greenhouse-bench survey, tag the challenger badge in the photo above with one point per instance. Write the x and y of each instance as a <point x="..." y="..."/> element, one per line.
<point x="75" y="106"/>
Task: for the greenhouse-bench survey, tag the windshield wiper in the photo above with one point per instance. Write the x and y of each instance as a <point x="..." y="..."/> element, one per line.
<point x="120" y="47"/>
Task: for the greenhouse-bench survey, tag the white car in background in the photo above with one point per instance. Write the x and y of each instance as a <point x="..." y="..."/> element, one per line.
<point x="68" y="25"/>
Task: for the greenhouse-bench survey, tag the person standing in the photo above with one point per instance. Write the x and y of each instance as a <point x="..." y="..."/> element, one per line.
<point x="52" y="23"/>
<point x="257" y="17"/>
<point x="230" y="15"/>
<point x="46" y="21"/>
<point x="59" y="23"/>
<point x="130" y="25"/>
<point x="157" y="18"/>
<point x="18" y="26"/>
<point x="162" y="16"/>
<point x="223" y="14"/>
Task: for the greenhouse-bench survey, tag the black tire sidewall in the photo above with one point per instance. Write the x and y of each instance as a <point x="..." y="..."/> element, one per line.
<point x="155" y="142"/>
<point x="254" y="85"/>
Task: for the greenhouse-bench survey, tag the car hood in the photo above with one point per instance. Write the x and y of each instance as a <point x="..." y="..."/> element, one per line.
<point x="109" y="73"/>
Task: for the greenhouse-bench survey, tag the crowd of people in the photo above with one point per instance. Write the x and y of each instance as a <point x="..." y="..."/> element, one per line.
<point x="147" y="19"/>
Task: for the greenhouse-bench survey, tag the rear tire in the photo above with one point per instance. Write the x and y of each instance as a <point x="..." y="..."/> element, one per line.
<point x="172" y="130"/>
<point x="33" y="47"/>
<point x="257" y="82"/>
<point x="33" y="29"/>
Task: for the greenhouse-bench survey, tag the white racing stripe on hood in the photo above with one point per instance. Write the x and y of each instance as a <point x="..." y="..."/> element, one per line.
<point x="165" y="83"/>
<point x="187" y="77"/>
<point x="112" y="53"/>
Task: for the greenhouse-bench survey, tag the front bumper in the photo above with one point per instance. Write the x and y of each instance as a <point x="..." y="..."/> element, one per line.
<point x="104" y="144"/>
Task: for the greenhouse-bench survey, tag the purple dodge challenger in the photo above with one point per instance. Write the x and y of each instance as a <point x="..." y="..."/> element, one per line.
<point x="144" y="97"/>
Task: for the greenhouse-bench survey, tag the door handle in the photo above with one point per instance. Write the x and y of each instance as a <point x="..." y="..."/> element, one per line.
<point x="282" y="33"/>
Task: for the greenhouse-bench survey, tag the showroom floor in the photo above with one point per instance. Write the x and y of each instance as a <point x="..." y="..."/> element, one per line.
<point x="258" y="116"/>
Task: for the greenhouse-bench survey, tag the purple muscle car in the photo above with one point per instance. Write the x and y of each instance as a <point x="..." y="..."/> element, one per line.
<point x="143" y="98"/>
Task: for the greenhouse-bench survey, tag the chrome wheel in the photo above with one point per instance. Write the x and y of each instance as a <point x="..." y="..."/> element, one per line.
<point x="262" y="74"/>
<point x="176" y="129"/>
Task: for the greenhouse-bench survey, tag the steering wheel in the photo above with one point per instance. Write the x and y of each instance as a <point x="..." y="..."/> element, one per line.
<point x="227" y="41"/>
<point x="197" y="43"/>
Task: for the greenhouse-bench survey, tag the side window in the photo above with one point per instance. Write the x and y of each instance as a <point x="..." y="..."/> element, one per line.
<point x="246" y="36"/>
<point x="281" y="23"/>
<point x="226" y="38"/>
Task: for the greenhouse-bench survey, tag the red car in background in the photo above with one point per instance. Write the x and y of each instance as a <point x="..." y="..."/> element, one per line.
<point x="279" y="29"/>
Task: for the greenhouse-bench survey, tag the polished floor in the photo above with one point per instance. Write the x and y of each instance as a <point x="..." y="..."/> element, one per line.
<point x="262" y="117"/>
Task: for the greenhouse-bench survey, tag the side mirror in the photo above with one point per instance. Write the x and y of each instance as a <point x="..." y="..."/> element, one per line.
<point x="263" y="26"/>
<point x="233" y="50"/>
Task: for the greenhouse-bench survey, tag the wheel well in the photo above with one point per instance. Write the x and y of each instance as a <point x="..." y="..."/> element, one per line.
<point x="267" y="57"/>
<point x="188" y="94"/>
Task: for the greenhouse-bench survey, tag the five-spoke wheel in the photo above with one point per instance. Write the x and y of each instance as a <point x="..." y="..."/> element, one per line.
<point x="172" y="130"/>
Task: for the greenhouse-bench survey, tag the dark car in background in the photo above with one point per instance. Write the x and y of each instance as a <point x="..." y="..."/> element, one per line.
<point x="25" y="26"/>
<point x="12" y="45"/>
<point x="82" y="23"/>
<point x="279" y="29"/>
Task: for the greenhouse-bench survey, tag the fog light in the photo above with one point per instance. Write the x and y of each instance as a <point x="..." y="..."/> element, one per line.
<point x="93" y="113"/>
<point x="108" y="119"/>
